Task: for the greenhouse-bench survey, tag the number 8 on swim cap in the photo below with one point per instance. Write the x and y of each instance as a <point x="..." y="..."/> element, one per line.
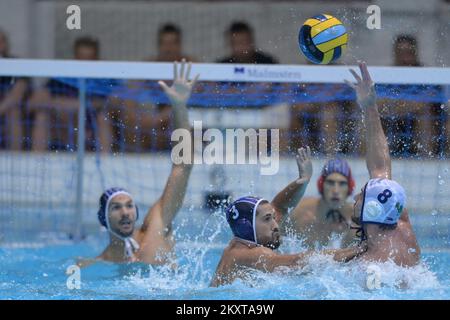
<point x="383" y="202"/>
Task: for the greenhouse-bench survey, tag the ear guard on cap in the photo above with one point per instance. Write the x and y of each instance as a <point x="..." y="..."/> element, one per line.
<point x="372" y="210"/>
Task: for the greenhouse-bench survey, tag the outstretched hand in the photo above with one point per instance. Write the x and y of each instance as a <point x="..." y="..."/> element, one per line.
<point x="181" y="88"/>
<point x="364" y="87"/>
<point x="304" y="164"/>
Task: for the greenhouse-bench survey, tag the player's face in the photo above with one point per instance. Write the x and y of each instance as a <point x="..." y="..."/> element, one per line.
<point x="86" y="53"/>
<point x="356" y="217"/>
<point x="241" y="45"/>
<point x="122" y="215"/>
<point x="405" y="54"/>
<point x="170" y="46"/>
<point x="267" y="230"/>
<point x="335" y="190"/>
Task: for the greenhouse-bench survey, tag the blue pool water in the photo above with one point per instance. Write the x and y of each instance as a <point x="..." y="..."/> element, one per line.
<point x="39" y="272"/>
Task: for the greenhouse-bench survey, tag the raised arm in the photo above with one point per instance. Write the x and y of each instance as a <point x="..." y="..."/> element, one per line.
<point x="290" y="196"/>
<point x="377" y="155"/>
<point x="175" y="189"/>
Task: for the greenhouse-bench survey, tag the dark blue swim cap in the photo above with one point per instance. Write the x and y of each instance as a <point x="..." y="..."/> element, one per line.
<point x="104" y="199"/>
<point x="241" y="216"/>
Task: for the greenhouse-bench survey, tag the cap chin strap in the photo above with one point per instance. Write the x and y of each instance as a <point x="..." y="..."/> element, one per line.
<point x="247" y="241"/>
<point x="131" y="245"/>
<point x="360" y="230"/>
<point x="331" y="214"/>
<point x="359" y="233"/>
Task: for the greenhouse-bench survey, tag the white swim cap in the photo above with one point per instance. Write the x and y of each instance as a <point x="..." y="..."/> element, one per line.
<point x="383" y="202"/>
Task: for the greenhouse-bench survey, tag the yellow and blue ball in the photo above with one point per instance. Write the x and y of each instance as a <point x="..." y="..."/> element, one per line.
<point x="322" y="39"/>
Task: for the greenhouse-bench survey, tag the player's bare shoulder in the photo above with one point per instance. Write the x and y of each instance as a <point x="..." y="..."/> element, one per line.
<point x="405" y="228"/>
<point x="306" y="211"/>
<point x="347" y="211"/>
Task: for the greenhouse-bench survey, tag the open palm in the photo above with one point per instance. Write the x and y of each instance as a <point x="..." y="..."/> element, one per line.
<point x="364" y="87"/>
<point x="181" y="88"/>
<point x="304" y="164"/>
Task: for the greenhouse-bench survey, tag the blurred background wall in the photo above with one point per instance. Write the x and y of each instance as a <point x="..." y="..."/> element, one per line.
<point x="127" y="29"/>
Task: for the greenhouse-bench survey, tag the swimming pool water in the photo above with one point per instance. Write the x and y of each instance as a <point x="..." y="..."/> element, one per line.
<point x="40" y="273"/>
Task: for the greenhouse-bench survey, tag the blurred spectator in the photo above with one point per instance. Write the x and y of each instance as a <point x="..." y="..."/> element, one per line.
<point x="12" y="94"/>
<point x="405" y="51"/>
<point x="242" y="44"/>
<point x="241" y="41"/>
<point x="57" y="103"/>
<point x="170" y="45"/>
<point x="409" y="123"/>
<point x="139" y="124"/>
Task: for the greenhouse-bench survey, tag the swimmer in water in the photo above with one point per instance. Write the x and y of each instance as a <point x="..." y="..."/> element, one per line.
<point x="153" y="242"/>
<point x="257" y="235"/>
<point x="380" y="208"/>
<point x="318" y="219"/>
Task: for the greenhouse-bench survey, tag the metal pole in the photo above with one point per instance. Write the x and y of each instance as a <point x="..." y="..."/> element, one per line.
<point x="80" y="159"/>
